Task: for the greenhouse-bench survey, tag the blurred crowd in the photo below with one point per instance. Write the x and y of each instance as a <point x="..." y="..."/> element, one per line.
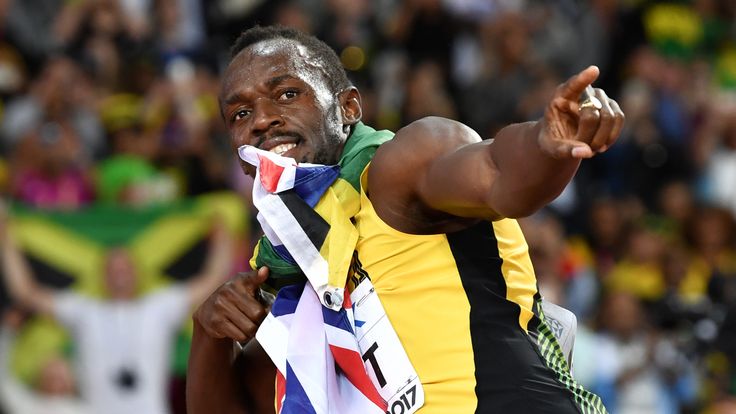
<point x="115" y="101"/>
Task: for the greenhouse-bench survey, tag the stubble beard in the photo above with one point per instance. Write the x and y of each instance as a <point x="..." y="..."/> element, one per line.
<point x="329" y="152"/>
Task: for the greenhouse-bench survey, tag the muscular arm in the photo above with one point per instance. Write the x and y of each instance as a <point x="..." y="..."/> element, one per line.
<point x="223" y="378"/>
<point x="220" y="377"/>
<point x="437" y="175"/>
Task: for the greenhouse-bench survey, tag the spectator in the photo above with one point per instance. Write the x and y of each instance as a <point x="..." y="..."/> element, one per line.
<point x="640" y="371"/>
<point x="61" y="91"/>
<point x="54" y="390"/>
<point x="50" y="170"/>
<point x="564" y="275"/>
<point x="711" y="233"/>
<point x="639" y="271"/>
<point x="124" y="342"/>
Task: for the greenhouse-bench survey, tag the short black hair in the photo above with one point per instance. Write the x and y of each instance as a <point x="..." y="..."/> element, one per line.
<point x="336" y="77"/>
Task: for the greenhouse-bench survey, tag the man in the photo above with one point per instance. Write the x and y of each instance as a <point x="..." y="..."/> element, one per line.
<point x="123" y="342"/>
<point x="53" y="390"/>
<point x="449" y="266"/>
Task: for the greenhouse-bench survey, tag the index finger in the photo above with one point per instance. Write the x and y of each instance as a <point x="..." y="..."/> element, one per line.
<point x="575" y="86"/>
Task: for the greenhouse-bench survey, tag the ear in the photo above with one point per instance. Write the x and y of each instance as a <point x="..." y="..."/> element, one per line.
<point x="350" y="106"/>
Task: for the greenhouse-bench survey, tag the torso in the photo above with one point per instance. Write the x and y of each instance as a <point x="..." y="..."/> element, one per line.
<point x="448" y="296"/>
<point x="136" y="336"/>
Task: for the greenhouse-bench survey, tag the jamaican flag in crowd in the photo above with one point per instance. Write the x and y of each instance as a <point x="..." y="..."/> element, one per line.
<point x="66" y="250"/>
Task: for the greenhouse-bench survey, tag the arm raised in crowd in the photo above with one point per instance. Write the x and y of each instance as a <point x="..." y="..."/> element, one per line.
<point x="438" y="176"/>
<point x="21" y="285"/>
<point x="217" y="265"/>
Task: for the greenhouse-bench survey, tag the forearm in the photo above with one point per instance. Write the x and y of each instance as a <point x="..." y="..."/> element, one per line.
<point x="17" y="274"/>
<point x="212" y="380"/>
<point x="215" y="269"/>
<point x="526" y="177"/>
<point x="221" y="254"/>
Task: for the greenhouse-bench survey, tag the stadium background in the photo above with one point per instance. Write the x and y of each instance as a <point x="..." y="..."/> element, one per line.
<point x="111" y="135"/>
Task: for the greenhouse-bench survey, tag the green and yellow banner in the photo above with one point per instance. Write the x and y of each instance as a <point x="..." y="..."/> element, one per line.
<point x="168" y="243"/>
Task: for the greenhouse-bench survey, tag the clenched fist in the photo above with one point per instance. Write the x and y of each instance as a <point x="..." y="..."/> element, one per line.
<point x="235" y="309"/>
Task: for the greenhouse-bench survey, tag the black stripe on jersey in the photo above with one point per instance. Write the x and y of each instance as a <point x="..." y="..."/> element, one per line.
<point x="310" y="221"/>
<point x="510" y="375"/>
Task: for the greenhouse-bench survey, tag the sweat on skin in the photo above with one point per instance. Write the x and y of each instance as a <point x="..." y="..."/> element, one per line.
<point x="281" y="79"/>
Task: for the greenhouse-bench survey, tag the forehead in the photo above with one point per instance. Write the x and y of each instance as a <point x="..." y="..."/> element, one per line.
<point x="263" y="61"/>
<point x="118" y="256"/>
<point x="277" y="46"/>
<point x="268" y="58"/>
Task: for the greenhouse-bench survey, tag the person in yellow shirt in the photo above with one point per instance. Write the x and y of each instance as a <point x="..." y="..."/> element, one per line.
<point x="437" y="234"/>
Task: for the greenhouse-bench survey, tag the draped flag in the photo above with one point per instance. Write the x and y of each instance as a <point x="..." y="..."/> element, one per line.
<point x="310" y="332"/>
<point x="287" y="197"/>
<point x="320" y="369"/>
<point x="338" y="205"/>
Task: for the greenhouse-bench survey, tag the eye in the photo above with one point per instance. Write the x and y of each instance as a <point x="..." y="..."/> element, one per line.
<point x="289" y="94"/>
<point x="240" y="114"/>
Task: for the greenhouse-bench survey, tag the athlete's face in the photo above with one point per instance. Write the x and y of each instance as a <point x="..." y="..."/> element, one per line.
<point x="274" y="96"/>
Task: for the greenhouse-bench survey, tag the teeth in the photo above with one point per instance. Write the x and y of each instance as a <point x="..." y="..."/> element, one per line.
<point x="282" y="148"/>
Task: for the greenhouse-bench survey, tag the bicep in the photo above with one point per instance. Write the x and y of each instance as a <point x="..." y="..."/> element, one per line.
<point x="460" y="181"/>
<point x="436" y="168"/>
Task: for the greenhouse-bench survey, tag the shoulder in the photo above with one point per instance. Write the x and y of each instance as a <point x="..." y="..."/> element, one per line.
<point x="400" y="168"/>
<point x="427" y="138"/>
<point x="415" y="146"/>
<point x="168" y="304"/>
<point x="71" y="308"/>
<point x="171" y="295"/>
<point x="68" y="299"/>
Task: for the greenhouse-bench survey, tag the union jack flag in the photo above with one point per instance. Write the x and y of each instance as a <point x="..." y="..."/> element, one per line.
<point x="310" y="331"/>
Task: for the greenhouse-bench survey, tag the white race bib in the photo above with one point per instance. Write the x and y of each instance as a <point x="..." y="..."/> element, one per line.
<point x="383" y="355"/>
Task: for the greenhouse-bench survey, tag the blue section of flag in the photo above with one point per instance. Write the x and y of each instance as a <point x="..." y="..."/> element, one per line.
<point x="298" y="402"/>
<point x="280" y="249"/>
<point x="311" y="182"/>
<point x="338" y="319"/>
<point x="287" y="299"/>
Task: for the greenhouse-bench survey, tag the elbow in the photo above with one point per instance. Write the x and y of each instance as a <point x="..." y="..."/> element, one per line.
<point x="24" y="296"/>
<point x="520" y="201"/>
<point x="516" y="212"/>
<point x="520" y="206"/>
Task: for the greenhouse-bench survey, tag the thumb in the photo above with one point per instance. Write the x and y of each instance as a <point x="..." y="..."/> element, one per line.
<point x="581" y="150"/>
<point x="251" y="281"/>
<point x="565" y="149"/>
<point x="262" y="274"/>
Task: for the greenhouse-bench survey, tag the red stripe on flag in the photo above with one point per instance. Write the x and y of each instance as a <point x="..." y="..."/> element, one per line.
<point x="352" y="365"/>
<point x="280" y="390"/>
<point x="270" y="174"/>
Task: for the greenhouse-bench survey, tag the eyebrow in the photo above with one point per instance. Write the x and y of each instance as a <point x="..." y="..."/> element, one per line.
<point x="276" y="80"/>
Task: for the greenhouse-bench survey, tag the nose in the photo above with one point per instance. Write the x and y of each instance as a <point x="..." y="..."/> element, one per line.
<point x="266" y="115"/>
